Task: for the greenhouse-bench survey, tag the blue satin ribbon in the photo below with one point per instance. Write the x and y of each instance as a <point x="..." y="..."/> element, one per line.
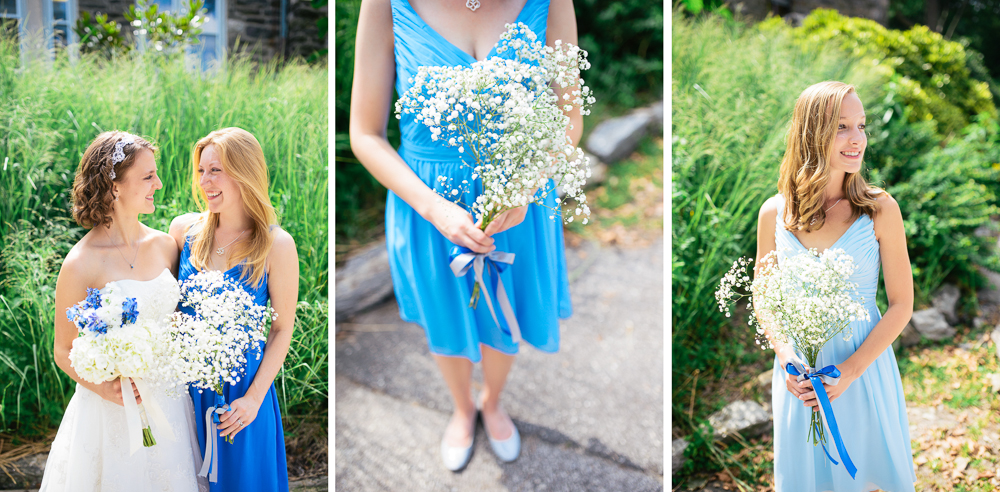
<point x="462" y="259"/>
<point x="830" y="375"/>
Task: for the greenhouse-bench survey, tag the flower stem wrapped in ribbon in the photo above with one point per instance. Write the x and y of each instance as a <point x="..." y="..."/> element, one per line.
<point x="464" y="259"/>
<point x="827" y="375"/>
<point x="805" y="301"/>
<point x="116" y="342"/>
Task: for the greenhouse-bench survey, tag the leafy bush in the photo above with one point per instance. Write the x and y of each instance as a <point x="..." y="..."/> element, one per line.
<point x="930" y="73"/>
<point x="160" y="31"/>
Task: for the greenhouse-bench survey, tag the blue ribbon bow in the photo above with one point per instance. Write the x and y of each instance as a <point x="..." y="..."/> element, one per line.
<point x="829" y="375"/>
<point x="462" y="259"/>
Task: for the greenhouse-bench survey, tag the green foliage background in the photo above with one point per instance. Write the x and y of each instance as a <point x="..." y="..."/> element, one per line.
<point x="49" y="112"/>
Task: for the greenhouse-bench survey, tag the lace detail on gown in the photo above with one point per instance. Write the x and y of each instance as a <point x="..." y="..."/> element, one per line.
<point x="91" y="452"/>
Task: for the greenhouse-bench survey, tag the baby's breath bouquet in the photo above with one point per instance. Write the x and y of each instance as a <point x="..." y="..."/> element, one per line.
<point x="504" y="117"/>
<point x="210" y="346"/>
<point x="116" y="342"/>
<point x="804" y="300"/>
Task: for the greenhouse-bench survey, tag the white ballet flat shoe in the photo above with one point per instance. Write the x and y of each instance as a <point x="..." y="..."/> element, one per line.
<point x="456" y="458"/>
<point x="508" y="449"/>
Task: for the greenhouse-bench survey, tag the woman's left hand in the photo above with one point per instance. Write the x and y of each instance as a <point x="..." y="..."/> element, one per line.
<point x="241" y="413"/>
<point x="809" y="398"/>
<point x="507" y="220"/>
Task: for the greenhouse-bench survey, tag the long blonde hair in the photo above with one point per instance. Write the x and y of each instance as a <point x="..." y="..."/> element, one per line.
<point x="805" y="169"/>
<point x="243" y="160"/>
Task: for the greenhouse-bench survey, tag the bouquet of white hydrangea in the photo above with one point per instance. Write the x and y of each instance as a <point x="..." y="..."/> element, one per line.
<point x="804" y="300"/>
<point x="504" y="115"/>
<point x="209" y="347"/>
<point x="115" y="342"/>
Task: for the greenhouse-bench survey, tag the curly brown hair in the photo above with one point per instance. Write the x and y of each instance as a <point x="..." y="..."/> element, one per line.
<point x="92" y="188"/>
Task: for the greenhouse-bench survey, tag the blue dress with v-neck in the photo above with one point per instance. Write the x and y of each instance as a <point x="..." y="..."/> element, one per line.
<point x="256" y="460"/>
<point x="871" y="414"/>
<point x="427" y="291"/>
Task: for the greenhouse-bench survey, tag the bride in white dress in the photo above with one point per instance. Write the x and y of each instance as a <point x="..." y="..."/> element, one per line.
<point x="114" y="184"/>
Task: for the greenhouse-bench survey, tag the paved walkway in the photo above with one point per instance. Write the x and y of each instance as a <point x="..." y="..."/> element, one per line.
<point x="590" y="416"/>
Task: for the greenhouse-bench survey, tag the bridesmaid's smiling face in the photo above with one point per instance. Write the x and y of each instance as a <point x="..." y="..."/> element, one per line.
<point x="849" y="145"/>
<point x="221" y="189"/>
<point x="135" y="190"/>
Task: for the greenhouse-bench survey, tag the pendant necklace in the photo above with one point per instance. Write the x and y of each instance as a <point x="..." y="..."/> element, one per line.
<point x="813" y="221"/>
<point x="131" y="264"/>
<point x="472" y="4"/>
<point x="221" y="251"/>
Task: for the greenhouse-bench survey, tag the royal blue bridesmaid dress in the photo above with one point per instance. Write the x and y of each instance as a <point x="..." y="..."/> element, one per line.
<point x="871" y="414"/>
<point x="255" y="461"/>
<point x="427" y="291"/>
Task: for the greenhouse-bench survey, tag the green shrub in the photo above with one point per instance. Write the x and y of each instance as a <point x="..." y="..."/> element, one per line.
<point x="930" y="73"/>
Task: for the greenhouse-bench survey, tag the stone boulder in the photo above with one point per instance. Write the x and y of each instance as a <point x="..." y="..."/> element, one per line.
<point x="677" y="458"/>
<point x="989" y="295"/>
<point x="24" y="473"/>
<point x="616" y="138"/>
<point x="747" y="418"/>
<point x="946" y="300"/>
<point x="932" y="325"/>
<point x="363" y="281"/>
<point x="909" y="337"/>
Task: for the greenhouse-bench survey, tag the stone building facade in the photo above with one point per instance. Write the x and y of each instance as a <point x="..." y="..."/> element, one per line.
<point x="268" y="28"/>
<point x="877" y="10"/>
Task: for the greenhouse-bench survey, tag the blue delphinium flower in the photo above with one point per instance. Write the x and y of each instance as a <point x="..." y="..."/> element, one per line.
<point x="93" y="299"/>
<point x="96" y="324"/>
<point x="130" y="311"/>
<point x="72" y="312"/>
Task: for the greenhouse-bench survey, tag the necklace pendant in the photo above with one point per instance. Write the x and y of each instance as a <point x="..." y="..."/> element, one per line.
<point x="472" y="4"/>
<point x="220" y="251"/>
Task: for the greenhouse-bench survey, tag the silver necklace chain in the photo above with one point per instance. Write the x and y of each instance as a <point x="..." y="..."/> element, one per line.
<point x="131" y="264"/>
<point x="221" y="251"/>
<point x="834" y="205"/>
<point x="472" y="4"/>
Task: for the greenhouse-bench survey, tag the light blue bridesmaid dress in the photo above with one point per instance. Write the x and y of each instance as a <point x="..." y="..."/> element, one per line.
<point x="871" y="414"/>
<point x="255" y="461"/>
<point x="427" y="291"/>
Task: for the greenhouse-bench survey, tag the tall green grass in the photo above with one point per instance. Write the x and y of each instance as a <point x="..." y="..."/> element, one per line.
<point x="50" y="111"/>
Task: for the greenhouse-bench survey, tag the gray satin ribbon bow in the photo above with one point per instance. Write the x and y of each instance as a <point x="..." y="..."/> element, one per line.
<point x="477" y="261"/>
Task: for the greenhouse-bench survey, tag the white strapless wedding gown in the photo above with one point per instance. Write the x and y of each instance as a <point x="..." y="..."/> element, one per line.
<point x="91" y="451"/>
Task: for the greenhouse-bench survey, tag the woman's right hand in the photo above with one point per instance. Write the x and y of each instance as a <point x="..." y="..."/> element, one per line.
<point x="456" y="225"/>
<point x="797" y="388"/>
<point x="112" y="391"/>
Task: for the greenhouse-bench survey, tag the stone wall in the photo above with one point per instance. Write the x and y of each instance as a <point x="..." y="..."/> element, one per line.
<point x="256" y="24"/>
<point x="876" y="10"/>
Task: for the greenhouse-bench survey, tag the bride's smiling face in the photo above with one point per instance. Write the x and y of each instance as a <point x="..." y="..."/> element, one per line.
<point x="135" y="190"/>
<point x="222" y="191"/>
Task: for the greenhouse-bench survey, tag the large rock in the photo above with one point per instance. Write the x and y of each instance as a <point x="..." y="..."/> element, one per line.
<point x="363" y="281"/>
<point x="910" y="336"/>
<point x="946" y="300"/>
<point x="764" y="381"/>
<point x="677" y="454"/>
<point x="990" y="295"/>
<point x="615" y="139"/>
<point x="747" y="418"/>
<point x="24" y="473"/>
<point x="995" y="336"/>
<point x="932" y="324"/>
<point x="655" y="113"/>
